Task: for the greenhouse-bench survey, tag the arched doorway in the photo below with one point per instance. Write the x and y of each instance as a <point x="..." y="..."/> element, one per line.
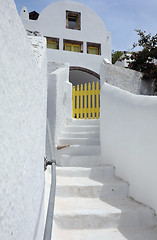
<point x="79" y="75"/>
<point x="86" y="93"/>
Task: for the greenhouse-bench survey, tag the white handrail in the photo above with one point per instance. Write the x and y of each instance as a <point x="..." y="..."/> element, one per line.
<point x="50" y="139"/>
<point x="50" y="211"/>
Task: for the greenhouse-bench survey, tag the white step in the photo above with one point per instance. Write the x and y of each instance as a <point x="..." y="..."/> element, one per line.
<point x="88" y="213"/>
<point x="75" y="128"/>
<point x="84" y="122"/>
<point x="79" y="141"/>
<point x="85" y="234"/>
<point x="95" y="172"/>
<point x="104" y="234"/>
<point x="89" y="188"/>
<point x="81" y="134"/>
<point x="77" y="213"/>
<point x="79" y="161"/>
<point x="79" y="150"/>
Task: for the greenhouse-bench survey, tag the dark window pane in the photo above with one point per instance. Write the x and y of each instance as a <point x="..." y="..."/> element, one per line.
<point x="72" y="22"/>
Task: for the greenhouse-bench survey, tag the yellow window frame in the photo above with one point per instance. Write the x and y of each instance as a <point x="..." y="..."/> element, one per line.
<point x="55" y="43"/>
<point x="72" y="46"/>
<point x="96" y="48"/>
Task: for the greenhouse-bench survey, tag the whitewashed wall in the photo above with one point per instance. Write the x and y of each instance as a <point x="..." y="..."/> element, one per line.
<point x="38" y="44"/>
<point x="125" y="79"/>
<point x="52" y="23"/>
<point x="59" y="99"/>
<point x="22" y="130"/>
<point x="128" y="127"/>
<point x="89" y="61"/>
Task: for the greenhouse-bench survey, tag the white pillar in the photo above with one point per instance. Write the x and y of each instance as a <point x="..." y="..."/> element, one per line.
<point x="84" y="47"/>
<point x="61" y="44"/>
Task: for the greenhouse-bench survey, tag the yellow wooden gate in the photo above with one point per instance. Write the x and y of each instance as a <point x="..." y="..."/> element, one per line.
<point x="86" y="101"/>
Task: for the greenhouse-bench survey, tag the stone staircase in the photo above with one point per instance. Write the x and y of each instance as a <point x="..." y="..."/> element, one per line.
<point x="91" y="202"/>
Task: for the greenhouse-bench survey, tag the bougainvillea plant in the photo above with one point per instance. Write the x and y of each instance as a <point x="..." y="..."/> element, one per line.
<point x="145" y="60"/>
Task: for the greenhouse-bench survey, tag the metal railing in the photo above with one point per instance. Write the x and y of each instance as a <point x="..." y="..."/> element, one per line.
<point x="50" y="211"/>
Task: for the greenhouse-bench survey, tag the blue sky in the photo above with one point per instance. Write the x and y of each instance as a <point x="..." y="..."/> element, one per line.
<point x="121" y="17"/>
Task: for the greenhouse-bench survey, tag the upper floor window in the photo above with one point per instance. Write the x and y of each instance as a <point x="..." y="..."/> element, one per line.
<point x="52" y="43"/>
<point x="73" y="20"/>
<point x="94" y="48"/>
<point x="73" y="46"/>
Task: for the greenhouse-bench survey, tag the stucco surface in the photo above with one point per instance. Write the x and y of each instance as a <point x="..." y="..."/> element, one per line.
<point x="59" y="99"/>
<point x="125" y="79"/>
<point x="22" y="130"/>
<point x="38" y="44"/>
<point x="89" y="61"/>
<point x="128" y="140"/>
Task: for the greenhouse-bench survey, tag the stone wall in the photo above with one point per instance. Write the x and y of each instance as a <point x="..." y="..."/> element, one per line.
<point x="125" y="79"/>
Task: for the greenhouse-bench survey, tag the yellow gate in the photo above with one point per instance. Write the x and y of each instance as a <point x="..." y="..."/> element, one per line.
<point x="86" y="101"/>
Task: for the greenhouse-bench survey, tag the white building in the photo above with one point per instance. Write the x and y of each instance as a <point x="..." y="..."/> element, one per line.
<point x="75" y="35"/>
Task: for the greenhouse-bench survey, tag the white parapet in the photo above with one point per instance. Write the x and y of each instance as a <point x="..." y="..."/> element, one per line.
<point x="128" y="140"/>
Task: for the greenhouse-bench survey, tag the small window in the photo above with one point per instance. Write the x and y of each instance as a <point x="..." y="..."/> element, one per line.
<point x="73" y="46"/>
<point x="73" y="20"/>
<point x="52" y="43"/>
<point x="94" y="48"/>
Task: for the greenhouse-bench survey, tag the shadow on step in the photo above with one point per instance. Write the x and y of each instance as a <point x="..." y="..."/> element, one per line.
<point x="136" y="221"/>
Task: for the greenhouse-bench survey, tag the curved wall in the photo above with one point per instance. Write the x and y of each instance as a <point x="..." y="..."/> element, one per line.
<point x="128" y="126"/>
